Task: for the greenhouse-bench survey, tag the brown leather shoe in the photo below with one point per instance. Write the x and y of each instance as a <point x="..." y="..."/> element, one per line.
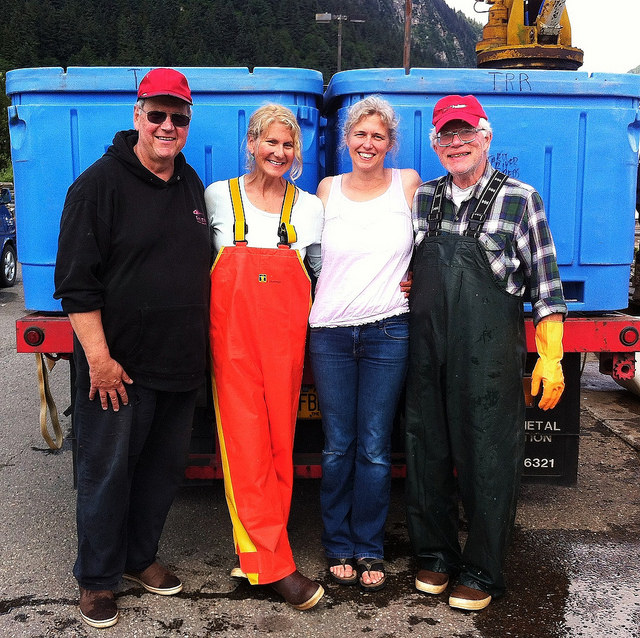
<point x="463" y="597"/>
<point x="98" y="608"/>
<point x="298" y="590"/>
<point x="156" y="579"/>
<point x="431" y="582"/>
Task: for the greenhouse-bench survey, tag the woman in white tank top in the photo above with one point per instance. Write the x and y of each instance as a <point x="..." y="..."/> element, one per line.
<point x="359" y="340"/>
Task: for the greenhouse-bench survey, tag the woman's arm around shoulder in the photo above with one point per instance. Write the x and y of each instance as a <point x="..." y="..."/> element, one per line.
<point x="410" y="182"/>
<point x="314" y="219"/>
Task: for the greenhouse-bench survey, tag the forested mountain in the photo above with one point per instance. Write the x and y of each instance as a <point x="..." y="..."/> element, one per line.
<point x="230" y="33"/>
<point x="36" y="33"/>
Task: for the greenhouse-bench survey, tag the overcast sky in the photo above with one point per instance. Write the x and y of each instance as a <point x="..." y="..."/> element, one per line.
<point x="607" y="32"/>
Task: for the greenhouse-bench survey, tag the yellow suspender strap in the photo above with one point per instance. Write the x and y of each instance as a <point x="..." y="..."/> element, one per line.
<point x="286" y="231"/>
<point x="240" y="224"/>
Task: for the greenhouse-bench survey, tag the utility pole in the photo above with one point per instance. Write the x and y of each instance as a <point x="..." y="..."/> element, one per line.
<point x="328" y="17"/>
<point x="408" y="7"/>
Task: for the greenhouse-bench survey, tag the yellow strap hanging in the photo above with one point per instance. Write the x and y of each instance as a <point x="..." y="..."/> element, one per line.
<point x="46" y="401"/>
<point x="286" y="230"/>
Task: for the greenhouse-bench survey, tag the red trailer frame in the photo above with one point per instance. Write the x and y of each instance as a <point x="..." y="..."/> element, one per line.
<point x="613" y="336"/>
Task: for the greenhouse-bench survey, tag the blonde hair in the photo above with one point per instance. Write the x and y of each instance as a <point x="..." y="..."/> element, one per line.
<point x="259" y="124"/>
<point x="372" y="105"/>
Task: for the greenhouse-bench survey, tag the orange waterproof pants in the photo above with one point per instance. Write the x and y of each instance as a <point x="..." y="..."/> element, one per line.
<point x="260" y="301"/>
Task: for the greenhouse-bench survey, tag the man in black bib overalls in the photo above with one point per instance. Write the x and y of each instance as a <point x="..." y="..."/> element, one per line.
<point x="482" y="241"/>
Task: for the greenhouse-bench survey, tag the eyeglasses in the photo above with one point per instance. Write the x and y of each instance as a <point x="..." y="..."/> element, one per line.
<point x="465" y="135"/>
<point x="158" y="117"/>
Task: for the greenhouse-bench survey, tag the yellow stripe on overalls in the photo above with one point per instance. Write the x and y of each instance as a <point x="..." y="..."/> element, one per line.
<point x="240" y="537"/>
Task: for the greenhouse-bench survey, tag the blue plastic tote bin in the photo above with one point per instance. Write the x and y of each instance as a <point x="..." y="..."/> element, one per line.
<point x="571" y="135"/>
<point x="60" y="122"/>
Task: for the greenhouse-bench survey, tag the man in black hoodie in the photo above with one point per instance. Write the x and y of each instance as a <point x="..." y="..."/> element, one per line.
<point x="132" y="274"/>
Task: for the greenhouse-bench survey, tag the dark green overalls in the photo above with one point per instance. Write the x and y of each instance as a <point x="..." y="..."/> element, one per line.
<point x="465" y="403"/>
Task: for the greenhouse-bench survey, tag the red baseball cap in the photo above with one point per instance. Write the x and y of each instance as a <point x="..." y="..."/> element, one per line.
<point x="163" y="81"/>
<point x="457" y="107"/>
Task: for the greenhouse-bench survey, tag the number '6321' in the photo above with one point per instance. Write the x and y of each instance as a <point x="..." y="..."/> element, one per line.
<point x="539" y="462"/>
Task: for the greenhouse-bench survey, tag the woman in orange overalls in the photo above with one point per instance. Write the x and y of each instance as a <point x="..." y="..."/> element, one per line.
<point x="262" y="228"/>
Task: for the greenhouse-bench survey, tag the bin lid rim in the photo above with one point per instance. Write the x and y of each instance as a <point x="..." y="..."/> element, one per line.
<point x="126" y="79"/>
<point x="480" y="82"/>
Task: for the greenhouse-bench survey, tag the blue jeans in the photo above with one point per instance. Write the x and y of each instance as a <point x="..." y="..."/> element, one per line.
<point x="359" y="373"/>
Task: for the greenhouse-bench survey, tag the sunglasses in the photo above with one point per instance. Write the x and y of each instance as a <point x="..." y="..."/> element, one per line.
<point x="158" y="117"/>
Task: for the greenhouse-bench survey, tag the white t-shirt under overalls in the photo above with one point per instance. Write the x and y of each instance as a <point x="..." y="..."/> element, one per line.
<point x="306" y="217"/>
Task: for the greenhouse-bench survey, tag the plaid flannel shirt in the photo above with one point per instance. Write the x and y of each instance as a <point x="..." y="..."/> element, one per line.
<point x="515" y="236"/>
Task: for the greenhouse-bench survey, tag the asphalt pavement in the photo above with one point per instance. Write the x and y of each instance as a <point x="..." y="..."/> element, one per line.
<point x="573" y="567"/>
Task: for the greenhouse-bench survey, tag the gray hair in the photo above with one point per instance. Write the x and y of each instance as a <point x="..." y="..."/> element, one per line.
<point x="372" y="105"/>
<point x="483" y="125"/>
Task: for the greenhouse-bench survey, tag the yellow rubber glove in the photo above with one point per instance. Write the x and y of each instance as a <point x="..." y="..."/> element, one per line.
<point x="548" y="370"/>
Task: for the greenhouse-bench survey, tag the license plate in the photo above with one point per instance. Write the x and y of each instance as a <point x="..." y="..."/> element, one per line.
<point x="308" y="406"/>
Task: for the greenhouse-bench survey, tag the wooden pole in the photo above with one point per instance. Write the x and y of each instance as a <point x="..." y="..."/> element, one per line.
<point x="340" y="18"/>
<point x="407" y="36"/>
